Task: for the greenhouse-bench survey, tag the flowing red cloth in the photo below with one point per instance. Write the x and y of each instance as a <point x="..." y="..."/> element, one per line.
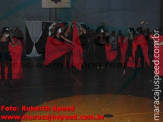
<point x="141" y="40"/>
<point x="16" y="64"/>
<point x="54" y="49"/>
<point x="76" y="59"/>
<point x="110" y="54"/>
<point x="16" y="55"/>
<point x="123" y="49"/>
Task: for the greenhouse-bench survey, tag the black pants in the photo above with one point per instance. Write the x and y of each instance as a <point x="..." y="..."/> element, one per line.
<point x="101" y="55"/>
<point x="128" y="54"/>
<point x="9" y="75"/>
<point x="139" y="53"/>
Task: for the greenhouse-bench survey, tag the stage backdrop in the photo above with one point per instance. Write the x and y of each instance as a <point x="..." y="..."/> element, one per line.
<point x="36" y="36"/>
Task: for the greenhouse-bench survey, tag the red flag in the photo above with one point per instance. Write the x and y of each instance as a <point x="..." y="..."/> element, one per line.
<point x="55" y="49"/>
<point x="110" y="54"/>
<point x="77" y="52"/>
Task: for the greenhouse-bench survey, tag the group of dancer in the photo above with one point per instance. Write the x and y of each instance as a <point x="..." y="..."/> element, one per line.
<point x="72" y="41"/>
<point x="134" y="50"/>
<point x="10" y="55"/>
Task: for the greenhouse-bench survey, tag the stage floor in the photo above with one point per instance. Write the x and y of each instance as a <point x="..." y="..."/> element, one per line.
<point x="103" y="91"/>
<point x="124" y="108"/>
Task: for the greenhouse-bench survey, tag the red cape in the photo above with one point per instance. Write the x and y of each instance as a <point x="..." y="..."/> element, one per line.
<point x="140" y="40"/>
<point x="77" y="52"/>
<point x="16" y="55"/>
<point x="55" y="49"/>
<point x="110" y="54"/>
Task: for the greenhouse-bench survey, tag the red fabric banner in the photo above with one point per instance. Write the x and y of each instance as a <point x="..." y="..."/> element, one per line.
<point x="54" y="49"/>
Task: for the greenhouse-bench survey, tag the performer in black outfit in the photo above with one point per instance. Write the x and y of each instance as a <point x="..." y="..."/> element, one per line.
<point x="68" y="33"/>
<point x="130" y="39"/>
<point x="139" y="51"/>
<point x="83" y="36"/>
<point x="64" y="35"/>
<point x="100" y="49"/>
<point x="5" y="58"/>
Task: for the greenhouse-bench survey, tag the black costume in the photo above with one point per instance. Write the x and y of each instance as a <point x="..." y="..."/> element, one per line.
<point x="5" y="59"/>
<point x="128" y="52"/>
<point x="100" y="52"/>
